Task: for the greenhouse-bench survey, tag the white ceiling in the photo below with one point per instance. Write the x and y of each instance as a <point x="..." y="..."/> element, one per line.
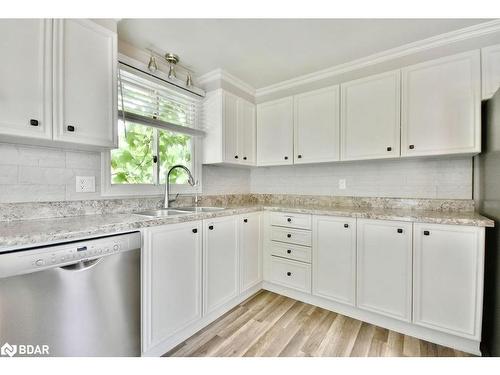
<point x="262" y="52"/>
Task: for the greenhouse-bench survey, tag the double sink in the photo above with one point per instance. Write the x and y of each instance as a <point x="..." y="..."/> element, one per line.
<point x="162" y="212"/>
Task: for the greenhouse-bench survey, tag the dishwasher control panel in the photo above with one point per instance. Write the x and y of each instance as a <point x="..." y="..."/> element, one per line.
<point x="32" y="260"/>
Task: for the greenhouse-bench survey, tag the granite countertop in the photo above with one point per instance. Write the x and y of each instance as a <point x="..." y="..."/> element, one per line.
<point x="35" y="232"/>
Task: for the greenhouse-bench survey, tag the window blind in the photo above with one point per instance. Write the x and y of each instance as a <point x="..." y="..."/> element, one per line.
<point x="145" y="100"/>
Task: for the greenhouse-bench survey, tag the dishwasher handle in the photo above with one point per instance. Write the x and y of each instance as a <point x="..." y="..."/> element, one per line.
<point x="82" y="265"/>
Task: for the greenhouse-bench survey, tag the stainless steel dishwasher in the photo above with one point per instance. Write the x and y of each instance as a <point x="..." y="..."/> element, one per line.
<point x="80" y="298"/>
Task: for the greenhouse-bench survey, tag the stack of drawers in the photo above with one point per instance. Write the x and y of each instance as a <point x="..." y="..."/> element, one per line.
<point x="289" y="247"/>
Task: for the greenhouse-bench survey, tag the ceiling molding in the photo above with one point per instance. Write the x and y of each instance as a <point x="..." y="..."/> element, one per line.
<point x="222" y="75"/>
<point x="391" y="54"/>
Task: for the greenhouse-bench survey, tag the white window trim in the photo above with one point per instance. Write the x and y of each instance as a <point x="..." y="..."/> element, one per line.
<point x="116" y="190"/>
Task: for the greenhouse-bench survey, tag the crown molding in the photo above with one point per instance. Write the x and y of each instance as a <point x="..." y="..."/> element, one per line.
<point x="440" y="40"/>
<point x="222" y="75"/>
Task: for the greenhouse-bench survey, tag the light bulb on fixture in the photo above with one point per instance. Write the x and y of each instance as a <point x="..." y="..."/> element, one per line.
<point x="152" y="65"/>
<point x="189" y="80"/>
<point x="171" y="71"/>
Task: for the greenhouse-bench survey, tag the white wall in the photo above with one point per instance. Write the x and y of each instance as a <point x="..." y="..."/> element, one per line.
<point x="403" y="178"/>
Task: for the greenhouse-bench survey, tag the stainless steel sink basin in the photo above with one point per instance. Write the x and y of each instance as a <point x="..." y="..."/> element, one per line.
<point x="200" y="209"/>
<point x="163" y="212"/>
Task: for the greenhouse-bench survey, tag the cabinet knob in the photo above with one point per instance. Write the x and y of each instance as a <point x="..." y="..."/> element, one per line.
<point x="426" y="233"/>
<point x="70" y="128"/>
<point x="289" y="251"/>
<point x="236" y="156"/>
<point x="33" y="122"/>
<point x="389" y="148"/>
<point x="400" y="230"/>
<point x="411" y="147"/>
<point x="289" y="274"/>
<point x="289" y="219"/>
<point x="346" y="225"/>
<point x="286" y="157"/>
<point x="244" y="158"/>
<point x="211" y="227"/>
<point x="195" y="230"/>
<point x="289" y="235"/>
<point x="299" y="156"/>
<point x="245" y="220"/>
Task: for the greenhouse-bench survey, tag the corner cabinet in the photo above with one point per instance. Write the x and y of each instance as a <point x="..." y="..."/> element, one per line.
<point x="59" y="83"/>
<point x="250" y="245"/>
<point x="172" y="282"/>
<point x="441" y="106"/>
<point x="275" y="132"/>
<point x="26" y="78"/>
<point x="229" y="123"/>
<point x="448" y="278"/>
<point x="316" y="126"/>
<point x="384" y="267"/>
<point x="85" y="63"/>
<point x="221" y="261"/>
<point x="370" y="117"/>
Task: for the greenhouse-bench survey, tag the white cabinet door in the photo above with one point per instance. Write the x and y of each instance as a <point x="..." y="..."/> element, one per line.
<point x="26" y="78"/>
<point x="172" y="289"/>
<point x="370" y="117"/>
<point x="316" y="126"/>
<point x="221" y="273"/>
<point x="85" y="102"/>
<point x="334" y="258"/>
<point x="490" y="61"/>
<point x="275" y="132"/>
<point x="448" y="278"/>
<point x="384" y="267"/>
<point x="250" y="244"/>
<point x="441" y="106"/>
<point x="230" y="119"/>
<point x="246" y="132"/>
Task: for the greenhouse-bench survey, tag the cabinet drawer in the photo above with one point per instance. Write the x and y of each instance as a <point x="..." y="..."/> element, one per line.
<point x="291" y="274"/>
<point x="300" y="221"/>
<point x="295" y="236"/>
<point x="295" y="252"/>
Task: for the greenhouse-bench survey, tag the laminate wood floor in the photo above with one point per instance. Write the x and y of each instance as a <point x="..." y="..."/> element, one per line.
<point x="271" y="325"/>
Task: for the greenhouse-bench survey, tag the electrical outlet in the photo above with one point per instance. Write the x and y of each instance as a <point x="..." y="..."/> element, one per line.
<point x="342" y="184"/>
<point x="85" y="184"/>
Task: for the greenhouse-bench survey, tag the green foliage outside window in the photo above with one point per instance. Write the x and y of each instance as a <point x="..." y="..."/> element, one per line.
<point x="132" y="162"/>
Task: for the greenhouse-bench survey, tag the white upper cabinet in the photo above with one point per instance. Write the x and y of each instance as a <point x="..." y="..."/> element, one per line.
<point x="247" y="132"/>
<point x="334" y="258"/>
<point x="441" y="106"/>
<point x="490" y="70"/>
<point x="448" y="278"/>
<point x="229" y="123"/>
<point x="384" y="267"/>
<point x="172" y="289"/>
<point x="316" y="126"/>
<point x="85" y="64"/>
<point x="275" y="132"/>
<point x="250" y="245"/>
<point x="370" y="117"/>
<point x="221" y="262"/>
<point x="26" y="78"/>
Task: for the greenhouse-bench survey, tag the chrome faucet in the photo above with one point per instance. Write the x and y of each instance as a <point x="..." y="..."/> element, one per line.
<point x="191" y="182"/>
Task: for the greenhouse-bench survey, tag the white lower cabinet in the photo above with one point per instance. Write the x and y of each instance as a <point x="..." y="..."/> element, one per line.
<point x="172" y="290"/>
<point x="384" y="267"/>
<point x="220" y="263"/>
<point x="334" y="258"/>
<point x="250" y="245"/>
<point x="292" y="274"/>
<point x="448" y="278"/>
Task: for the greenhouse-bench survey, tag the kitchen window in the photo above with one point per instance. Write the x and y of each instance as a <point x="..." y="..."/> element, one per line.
<point x="157" y="128"/>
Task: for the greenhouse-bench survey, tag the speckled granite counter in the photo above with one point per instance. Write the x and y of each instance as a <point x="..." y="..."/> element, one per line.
<point x="34" y="232"/>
